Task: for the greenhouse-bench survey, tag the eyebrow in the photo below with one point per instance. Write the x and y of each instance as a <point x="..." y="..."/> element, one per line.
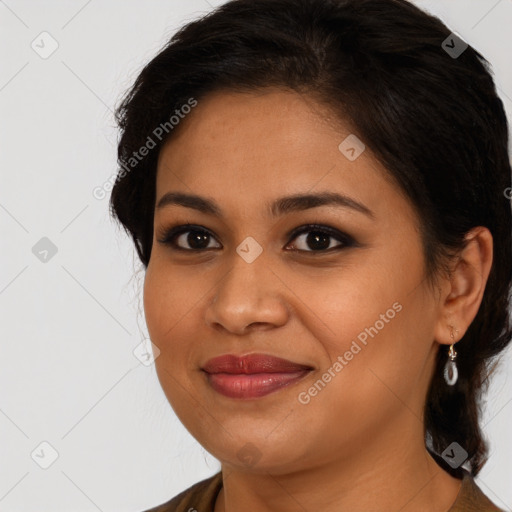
<point x="281" y="206"/>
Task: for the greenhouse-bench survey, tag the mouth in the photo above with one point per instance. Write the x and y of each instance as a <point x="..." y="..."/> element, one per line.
<point x="253" y="375"/>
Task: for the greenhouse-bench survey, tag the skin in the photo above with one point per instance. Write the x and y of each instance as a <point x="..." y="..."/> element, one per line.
<point x="358" y="444"/>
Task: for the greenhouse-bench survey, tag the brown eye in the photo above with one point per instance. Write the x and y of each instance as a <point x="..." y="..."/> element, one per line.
<point x="179" y="237"/>
<point x="312" y="239"/>
<point x="320" y="239"/>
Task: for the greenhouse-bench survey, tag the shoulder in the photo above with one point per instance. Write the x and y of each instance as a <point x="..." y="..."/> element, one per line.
<point x="200" y="496"/>
<point x="472" y="499"/>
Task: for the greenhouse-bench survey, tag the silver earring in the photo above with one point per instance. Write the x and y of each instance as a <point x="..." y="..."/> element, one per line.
<point x="451" y="373"/>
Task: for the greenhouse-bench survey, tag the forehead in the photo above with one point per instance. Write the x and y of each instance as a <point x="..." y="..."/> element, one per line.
<point x="242" y="147"/>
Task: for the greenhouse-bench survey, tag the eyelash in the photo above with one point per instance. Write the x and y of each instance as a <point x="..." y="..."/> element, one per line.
<point x="170" y="234"/>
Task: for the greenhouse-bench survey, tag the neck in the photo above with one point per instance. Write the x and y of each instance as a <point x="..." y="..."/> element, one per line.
<point x="394" y="472"/>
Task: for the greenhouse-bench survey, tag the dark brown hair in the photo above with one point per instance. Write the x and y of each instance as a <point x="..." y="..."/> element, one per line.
<point x="431" y="117"/>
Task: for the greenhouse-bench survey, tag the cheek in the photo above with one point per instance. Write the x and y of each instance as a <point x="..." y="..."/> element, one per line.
<point x="168" y="297"/>
<point x="169" y="308"/>
<point x="347" y="306"/>
<point x="379" y="327"/>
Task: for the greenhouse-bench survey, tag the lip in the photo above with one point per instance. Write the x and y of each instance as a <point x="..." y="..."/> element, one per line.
<point x="252" y="375"/>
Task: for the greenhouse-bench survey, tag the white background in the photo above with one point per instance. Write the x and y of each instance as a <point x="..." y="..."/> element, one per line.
<point x="68" y="327"/>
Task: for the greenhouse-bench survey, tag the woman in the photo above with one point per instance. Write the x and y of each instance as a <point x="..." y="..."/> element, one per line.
<point x="317" y="192"/>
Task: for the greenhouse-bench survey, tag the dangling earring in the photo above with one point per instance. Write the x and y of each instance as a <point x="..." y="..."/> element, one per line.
<point x="450" y="368"/>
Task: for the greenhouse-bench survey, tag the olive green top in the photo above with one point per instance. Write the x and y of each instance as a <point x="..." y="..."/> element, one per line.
<point x="201" y="497"/>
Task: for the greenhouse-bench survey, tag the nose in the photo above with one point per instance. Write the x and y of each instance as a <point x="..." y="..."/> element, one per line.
<point x="248" y="297"/>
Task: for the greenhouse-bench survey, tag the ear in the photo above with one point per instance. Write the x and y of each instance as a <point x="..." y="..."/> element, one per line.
<point x="463" y="290"/>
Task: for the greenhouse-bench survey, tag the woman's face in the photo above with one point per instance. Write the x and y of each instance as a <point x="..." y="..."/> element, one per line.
<point x="352" y="305"/>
